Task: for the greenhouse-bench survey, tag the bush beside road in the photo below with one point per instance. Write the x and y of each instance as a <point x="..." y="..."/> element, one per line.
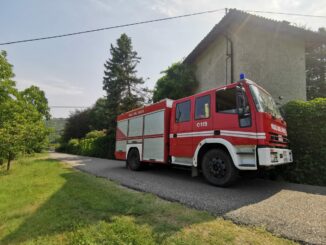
<point x="307" y="134"/>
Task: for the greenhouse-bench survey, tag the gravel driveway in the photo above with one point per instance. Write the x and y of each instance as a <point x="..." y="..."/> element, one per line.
<point x="295" y="211"/>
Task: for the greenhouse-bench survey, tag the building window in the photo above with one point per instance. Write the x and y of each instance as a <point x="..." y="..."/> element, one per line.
<point x="226" y="101"/>
<point x="182" y="112"/>
<point x="202" y="107"/>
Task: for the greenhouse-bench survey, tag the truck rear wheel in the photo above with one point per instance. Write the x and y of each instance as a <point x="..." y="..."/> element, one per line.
<point x="218" y="168"/>
<point x="133" y="160"/>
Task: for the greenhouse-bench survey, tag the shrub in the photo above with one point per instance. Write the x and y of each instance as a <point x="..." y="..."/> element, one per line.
<point x="73" y="146"/>
<point x="307" y="134"/>
<point x="95" y="134"/>
<point x="95" y="144"/>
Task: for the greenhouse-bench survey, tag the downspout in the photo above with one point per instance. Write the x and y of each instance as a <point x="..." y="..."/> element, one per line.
<point x="229" y="55"/>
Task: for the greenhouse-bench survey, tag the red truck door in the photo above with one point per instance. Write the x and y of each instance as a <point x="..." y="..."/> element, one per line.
<point x="203" y="118"/>
<point x="226" y="116"/>
<point x="181" y="128"/>
<point x="238" y="130"/>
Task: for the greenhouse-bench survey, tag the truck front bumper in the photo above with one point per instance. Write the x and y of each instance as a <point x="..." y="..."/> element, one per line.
<point x="274" y="156"/>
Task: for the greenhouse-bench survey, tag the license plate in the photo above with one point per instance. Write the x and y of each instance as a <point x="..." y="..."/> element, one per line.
<point x="285" y="156"/>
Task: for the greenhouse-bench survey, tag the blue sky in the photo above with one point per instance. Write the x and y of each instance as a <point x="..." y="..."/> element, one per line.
<point x="70" y="69"/>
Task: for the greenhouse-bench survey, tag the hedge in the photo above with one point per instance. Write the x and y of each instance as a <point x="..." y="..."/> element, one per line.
<point x="306" y="122"/>
<point x="95" y="144"/>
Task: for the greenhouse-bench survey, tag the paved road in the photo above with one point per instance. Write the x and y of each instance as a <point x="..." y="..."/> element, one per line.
<point x="294" y="211"/>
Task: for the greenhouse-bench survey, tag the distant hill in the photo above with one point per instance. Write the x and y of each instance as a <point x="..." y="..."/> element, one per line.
<point x="58" y="125"/>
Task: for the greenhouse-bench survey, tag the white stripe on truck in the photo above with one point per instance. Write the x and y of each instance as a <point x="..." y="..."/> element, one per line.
<point x="239" y="134"/>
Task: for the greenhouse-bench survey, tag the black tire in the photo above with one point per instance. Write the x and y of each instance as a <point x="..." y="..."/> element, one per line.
<point x="133" y="160"/>
<point x="218" y="168"/>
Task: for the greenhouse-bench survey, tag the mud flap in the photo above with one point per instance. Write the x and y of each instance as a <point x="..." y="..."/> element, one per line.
<point x="194" y="171"/>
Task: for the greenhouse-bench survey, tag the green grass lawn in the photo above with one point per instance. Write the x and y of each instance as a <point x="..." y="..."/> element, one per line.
<point x="43" y="201"/>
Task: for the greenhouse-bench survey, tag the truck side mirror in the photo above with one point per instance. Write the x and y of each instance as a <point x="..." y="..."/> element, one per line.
<point x="243" y="107"/>
<point x="241" y="101"/>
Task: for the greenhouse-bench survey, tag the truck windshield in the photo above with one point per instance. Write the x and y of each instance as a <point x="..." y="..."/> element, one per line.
<point x="264" y="101"/>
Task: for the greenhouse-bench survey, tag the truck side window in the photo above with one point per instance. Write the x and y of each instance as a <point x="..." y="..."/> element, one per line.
<point x="202" y="107"/>
<point x="226" y="101"/>
<point x="182" y="112"/>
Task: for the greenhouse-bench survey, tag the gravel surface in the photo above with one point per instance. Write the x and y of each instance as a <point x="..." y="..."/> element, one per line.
<point x="294" y="211"/>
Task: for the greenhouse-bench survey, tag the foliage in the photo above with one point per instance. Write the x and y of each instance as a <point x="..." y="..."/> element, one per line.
<point x="316" y="70"/>
<point x="307" y="135"/>
<point x="6" y="72"/>
<point x="95" y="144"/>
<point x="177" y="82"/>
<point x="99" y="115"/>
<point x="73" y="146"/>
<point x="95" y="134"/>
<point x="46" y="202"/>
<point x="22" y="126"/>
<point x="81" y="122"/>
<point x="77" y="125"/>
<point x="36" y="97"/>
<point x="120" y="80"/>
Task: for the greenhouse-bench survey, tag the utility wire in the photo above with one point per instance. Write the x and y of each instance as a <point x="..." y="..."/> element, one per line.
<point x="151" y="21"/>
<point x="113" y="27"/>
<point x="282" y="13"/>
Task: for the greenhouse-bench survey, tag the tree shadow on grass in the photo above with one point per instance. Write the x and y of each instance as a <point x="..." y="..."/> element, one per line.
<point x="84" y="201"/>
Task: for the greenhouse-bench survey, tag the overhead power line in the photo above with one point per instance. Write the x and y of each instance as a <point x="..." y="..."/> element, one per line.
<point x="151" y="21"/>
<point x="112" y="27"/>
<point x="282" y="13"/>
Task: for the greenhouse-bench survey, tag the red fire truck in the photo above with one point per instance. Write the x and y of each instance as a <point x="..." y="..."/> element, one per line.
<point x="219" y="133"/>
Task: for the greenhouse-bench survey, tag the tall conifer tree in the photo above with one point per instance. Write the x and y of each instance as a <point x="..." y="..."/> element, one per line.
<point x="120" y="80"/>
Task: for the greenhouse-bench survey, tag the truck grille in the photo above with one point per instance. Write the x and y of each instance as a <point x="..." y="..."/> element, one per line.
<point x="277" y="138"/>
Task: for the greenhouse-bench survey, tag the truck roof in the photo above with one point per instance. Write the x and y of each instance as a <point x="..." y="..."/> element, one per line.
<point x="162" y="104"/>
<point x="167" y="103"/>
<point x="224" y="87"/>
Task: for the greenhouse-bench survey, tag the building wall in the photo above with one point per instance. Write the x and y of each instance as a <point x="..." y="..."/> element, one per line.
<point x="211" y="66"/>
<point x="275" y="62"/>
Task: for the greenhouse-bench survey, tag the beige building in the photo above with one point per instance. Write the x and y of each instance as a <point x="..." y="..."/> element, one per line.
<point x="271" y="53"/>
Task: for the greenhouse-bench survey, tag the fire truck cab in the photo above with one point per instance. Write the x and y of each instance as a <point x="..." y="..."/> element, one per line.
<point x="218" y="132"/>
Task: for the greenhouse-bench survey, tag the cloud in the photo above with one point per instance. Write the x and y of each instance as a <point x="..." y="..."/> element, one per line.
<point x="51" y="86"/>
<point x="101" y="5"/>
<point x="177" y="7"/>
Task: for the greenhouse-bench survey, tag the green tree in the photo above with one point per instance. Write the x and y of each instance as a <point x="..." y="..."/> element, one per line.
<point x="178" y="81"/>
<point x="35" y="96"/>
<point x="36" y="137"/>
<point x="7" y="85"/>
<point x="316" y="70"/>
<point x="81" y="122"/>
<point x="120" y="80"/>
<point x="77" y="125"/>
<point x="6" y="72"/>
<point x="12" y="130"/>
<point x="99" y="115"/>
<point x="22" y="126"/>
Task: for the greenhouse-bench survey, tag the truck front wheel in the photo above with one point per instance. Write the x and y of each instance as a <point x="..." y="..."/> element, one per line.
<point x="133" y="160"/>
<point x="218" y="169"/>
